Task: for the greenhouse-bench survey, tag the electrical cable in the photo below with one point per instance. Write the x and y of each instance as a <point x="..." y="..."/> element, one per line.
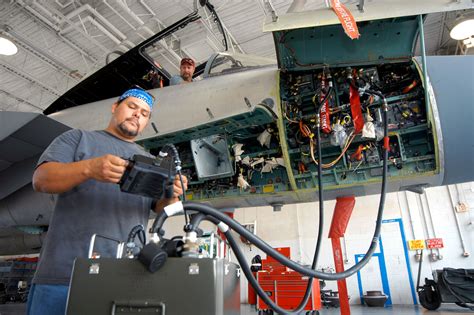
<point x="292" y="265"/>
<point x="279" y="257"/>
<point x="307" y="133"/>
<point x="177" y="162"/>
<point x="284" y="260"/>
<point x="134" y="232"/>
<point x="293" y="53"/>
<point x="319" y="104"/>
<point x="456" y="281"/>
<point x="276" y="255"/>
<point x="253" y="282"/>
<point x="197" y="219"/>
<point x="334" y="162"/>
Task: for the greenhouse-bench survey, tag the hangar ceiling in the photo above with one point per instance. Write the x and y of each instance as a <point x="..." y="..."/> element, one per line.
<point x="63" y="41"/>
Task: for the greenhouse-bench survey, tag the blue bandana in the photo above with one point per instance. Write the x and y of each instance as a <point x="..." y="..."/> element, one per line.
<point x="141" y="94"/>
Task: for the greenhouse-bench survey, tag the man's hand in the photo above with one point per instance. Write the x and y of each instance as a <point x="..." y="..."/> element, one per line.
<point x="178" y="190"/>
<point x="56" y="177"/>
<point x="107" y="168"/>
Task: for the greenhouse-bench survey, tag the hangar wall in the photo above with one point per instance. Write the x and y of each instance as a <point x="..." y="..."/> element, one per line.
<point x="407" y="216"/>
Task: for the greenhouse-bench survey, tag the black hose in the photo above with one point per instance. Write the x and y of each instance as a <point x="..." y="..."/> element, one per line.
<point x="460" y="283"/>
<point x="254" y="283"/>
<point x="248" y="272"/>
<point x="133" y="233"/>
<point x="284" y="260"/>
<point x="292" y="265"/>
<point x="319" y="104"/>
<point x="177" y="162"/>
<point x="279" y="257"/>
<point x="158" y="223"/>
<point x="197" y="219"/>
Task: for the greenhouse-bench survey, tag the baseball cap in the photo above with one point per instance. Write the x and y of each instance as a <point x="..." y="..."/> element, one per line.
<point x="187" y="61"/>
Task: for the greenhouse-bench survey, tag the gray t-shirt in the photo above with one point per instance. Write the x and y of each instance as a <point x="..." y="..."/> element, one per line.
<point x="91" y="207"/>
<point x="177" y="79"/>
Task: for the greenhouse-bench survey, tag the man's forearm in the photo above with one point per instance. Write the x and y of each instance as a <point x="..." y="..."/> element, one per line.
<point x="55" y="177"/>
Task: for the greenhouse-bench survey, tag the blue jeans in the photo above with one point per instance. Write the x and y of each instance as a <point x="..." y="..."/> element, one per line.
<point x="47" y="299"/>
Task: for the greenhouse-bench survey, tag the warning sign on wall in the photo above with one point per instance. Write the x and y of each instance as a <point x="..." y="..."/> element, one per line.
<point x="434" y="243"/>
<point x="416" y="244"/>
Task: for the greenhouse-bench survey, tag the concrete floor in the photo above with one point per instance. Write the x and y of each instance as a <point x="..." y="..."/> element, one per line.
<point x="445" y="309"/>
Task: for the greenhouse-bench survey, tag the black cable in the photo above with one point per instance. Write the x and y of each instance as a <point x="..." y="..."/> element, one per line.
<point x="133" y="233"/>
<point x="292" y="265"/>
<point x="254" y="283"/>
<point x="284" y="260"/>
<point x="243" y="263"/>
<point x="319" y="104"/>
<point x="217" y="216"/>
<point x="279" y="257"/>
<point x="459" y="289"/>
<point x="142" y="237"/>
<point x="177" y="162"/>
<point x="197" y="219"/>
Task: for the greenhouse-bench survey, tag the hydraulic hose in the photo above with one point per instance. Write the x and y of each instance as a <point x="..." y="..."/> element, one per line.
<point x="177" y="162"/>
<point x="295" y="266"/>
<point x="319" y="104"/>
<point x="275" y="254"/>
<point x="196" y="220"/>
<point x="247" y="271"/>
<point x="284" y="260"/>
<point x="137" y="230"/>
<point x="213" y="215"/>
<point x="253" y="282"/>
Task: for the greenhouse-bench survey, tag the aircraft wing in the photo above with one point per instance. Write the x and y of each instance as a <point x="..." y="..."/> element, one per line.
<point x="23" y="137"/>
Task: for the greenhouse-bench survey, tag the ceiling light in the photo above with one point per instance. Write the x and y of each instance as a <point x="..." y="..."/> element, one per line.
<point x="463" y="29"/>
<point x="468" y="42"/>
<point x="7" y="47"/>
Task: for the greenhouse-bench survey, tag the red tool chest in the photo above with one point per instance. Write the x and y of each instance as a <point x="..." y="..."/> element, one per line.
<point x="284" y="286"/>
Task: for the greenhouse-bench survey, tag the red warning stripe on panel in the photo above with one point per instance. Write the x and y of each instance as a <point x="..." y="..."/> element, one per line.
<point x="347" y="20"/>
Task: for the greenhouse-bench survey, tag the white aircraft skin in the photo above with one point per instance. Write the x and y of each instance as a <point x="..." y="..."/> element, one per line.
<point x="179" y="108"/>
<point x="183" y="107"/>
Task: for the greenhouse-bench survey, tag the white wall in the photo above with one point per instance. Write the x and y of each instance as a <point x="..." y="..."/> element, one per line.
<point x="296" y="226"/>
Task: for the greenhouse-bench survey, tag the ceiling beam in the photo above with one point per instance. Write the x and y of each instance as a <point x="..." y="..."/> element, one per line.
<point x="20" y="100"/>
<point x="29" y="78"/>
<point x="37" y="51"/>
<point x="441" y="32"/>
<point x="67" y="41"/>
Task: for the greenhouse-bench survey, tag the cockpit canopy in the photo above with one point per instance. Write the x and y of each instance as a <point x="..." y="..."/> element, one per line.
<point x="223" y="63"/>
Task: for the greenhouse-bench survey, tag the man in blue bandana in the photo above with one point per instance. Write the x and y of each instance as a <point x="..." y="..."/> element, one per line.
<point x="83" y="169"/>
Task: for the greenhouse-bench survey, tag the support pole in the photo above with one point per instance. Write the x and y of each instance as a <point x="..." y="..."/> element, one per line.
<point x="340" y="219"/>
<point x="341" y="284"/>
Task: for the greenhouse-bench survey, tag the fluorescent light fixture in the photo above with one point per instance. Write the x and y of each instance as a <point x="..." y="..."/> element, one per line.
<point x="463" y="30"/>
<point x="7" y="47"/>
